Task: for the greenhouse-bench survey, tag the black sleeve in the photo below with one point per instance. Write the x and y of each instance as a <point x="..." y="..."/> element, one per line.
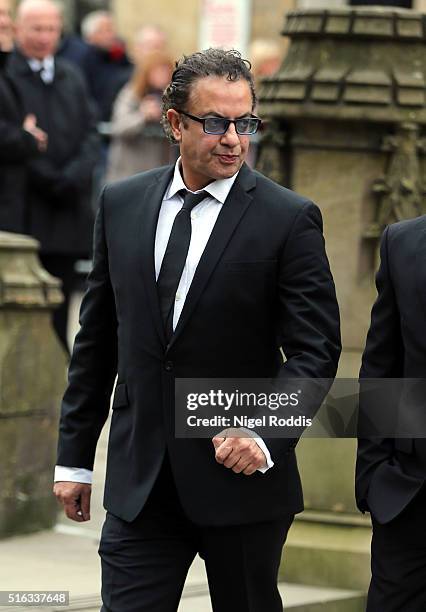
<point x="309" y="320"/>
<point x="76" y="175"/>
<point x="93" y="365"/>
<point x="16" y="145"/>
<point x="79" y="170"/>
<point x="382" y="358"/>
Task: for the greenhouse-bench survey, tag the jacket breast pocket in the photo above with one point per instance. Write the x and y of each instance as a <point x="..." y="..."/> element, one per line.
<point x="121" y="398"/>
<point x="253" y="267"/>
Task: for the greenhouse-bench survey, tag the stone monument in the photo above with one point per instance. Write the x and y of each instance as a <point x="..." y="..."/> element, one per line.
<point x="32" y="379"/>
<point x="346" y="119"/>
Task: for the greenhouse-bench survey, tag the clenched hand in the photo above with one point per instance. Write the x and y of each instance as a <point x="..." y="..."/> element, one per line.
<point x="75" y="498"/>
<point x="240" y="454"/>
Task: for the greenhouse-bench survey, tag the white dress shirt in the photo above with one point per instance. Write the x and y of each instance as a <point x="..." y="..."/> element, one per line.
<point x="203" y="219"/>
<point x="46" y="67"/>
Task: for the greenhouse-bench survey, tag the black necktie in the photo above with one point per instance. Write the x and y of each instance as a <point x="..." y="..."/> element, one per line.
<point x="175" y="257"/>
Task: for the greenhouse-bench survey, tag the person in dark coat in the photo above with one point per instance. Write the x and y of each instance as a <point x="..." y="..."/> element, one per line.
<point x="73" y="49"/>
<point x="59" y="179"/>
<point x="20" y="140"/>
<point x="105" y="64"/>
<point x="391" y="466"/>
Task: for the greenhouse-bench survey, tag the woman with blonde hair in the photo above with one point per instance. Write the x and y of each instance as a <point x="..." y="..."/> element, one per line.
<point x="138" y="142"/>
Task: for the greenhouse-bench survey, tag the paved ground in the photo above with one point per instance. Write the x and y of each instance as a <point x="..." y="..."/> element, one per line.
<point x="53" y="560"/>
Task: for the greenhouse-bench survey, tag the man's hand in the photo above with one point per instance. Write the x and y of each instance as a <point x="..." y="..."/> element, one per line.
<point x="150" y="108"/>
<point x="241" y="454"/>
<point x="75" y="498"/>
<point x="30" y="125"/>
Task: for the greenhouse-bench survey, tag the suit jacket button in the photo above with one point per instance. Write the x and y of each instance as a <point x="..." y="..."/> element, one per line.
<point x="168" y="366"/>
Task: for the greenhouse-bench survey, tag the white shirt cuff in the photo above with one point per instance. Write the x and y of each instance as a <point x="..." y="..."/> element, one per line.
<point x="260" y="442"/>
<point x="72" y="474"/>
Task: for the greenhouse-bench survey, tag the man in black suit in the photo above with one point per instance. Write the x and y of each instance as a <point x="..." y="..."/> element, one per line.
<point x="164" y="303"/>
<point x="20" y="138"/>
<point x="59" y="212"/>
<point x="391" y="471"/>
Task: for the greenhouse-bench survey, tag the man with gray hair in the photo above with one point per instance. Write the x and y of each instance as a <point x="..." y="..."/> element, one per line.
<point x="204" y="269"/>
<point x="98" y="29"/>
<point x="59" y="179"/>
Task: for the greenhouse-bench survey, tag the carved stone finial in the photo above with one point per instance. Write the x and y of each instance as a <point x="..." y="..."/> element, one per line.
<point x="23" y="281"/>
<point x="401" y="192"/>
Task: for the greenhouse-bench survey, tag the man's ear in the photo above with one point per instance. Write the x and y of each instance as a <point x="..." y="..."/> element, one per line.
<point x="175" y="123"/>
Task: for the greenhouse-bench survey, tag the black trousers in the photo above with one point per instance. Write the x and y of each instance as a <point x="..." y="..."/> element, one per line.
<point x="145" y="563"/>
<point x="61" y="266"/>
<point x="398" y="561"/>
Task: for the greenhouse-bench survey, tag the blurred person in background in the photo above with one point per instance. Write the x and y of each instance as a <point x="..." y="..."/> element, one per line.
<point x="20" y="139"/>
<point x="138" y="141"/>
<point x="59" y="180"/>
<point x="265" y="58"/>
<point x="148" y="39"/>
<point x="6" y="27"/>
<point x="106" y="65"/>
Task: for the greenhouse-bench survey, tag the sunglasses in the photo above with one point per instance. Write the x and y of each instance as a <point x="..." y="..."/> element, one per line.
<point x="219" y="125"/>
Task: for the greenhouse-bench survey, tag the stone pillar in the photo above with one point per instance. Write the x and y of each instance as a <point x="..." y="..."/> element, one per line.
<point x="347" y="111"/>
<point x="264" y="19"/>
<point x="320" y="4"/>
<point x="347" y="115"/>
<point x="32" y="379"/>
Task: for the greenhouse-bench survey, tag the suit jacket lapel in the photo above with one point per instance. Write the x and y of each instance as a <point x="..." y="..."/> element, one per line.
<point x="149" y="211"/>
<point x="229" y="217"/>
<point x="421" y="270"/>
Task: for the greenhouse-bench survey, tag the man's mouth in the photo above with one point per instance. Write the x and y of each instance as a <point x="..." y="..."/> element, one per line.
<point x="228" y="159"/>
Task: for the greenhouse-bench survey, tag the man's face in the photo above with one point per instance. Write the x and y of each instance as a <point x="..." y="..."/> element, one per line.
<point x="38" y="31"/>
<point x="149" y="41"/>
<point x="105" y="34"/>
<point x="6" y="26"/>
<point x="207" y="157"/>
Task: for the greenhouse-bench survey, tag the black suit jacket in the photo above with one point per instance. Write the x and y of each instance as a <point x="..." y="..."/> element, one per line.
<point x="59" y="180"/>
<point x="17" y="147"/>
<point x="390" y="472"/>
<point x="263" y="282"/>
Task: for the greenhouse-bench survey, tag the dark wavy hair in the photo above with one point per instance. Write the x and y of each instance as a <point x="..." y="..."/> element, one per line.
<point x="190" y="68"/>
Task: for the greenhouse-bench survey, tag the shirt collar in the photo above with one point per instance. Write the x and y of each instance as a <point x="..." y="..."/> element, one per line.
<point x="219" y="189"/>
<point x="46" y="65"/>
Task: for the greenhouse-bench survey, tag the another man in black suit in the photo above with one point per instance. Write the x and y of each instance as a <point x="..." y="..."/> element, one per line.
<point x="391" y="471"/>
<point x="59" y="211"/>
<point x="20" y="139"/>
<point x="165" y="302"/>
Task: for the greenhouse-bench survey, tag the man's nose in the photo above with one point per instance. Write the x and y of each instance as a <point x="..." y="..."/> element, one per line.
<point x="44" y="38"/>
<point x="230" y="137"/>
